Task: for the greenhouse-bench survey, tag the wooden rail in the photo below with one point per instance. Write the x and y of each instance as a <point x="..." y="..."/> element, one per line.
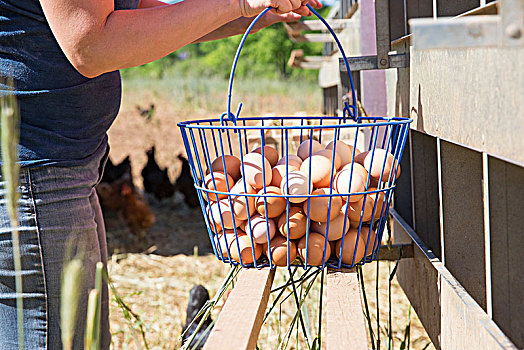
<point x="240" y="321"/>
<point x="346" y="327"/>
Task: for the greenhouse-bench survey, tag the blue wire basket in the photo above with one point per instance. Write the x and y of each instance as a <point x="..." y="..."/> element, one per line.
<point x="321" y="209"/>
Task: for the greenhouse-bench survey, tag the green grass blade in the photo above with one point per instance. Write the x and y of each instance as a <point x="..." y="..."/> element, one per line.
<point x="91" y="340"/>
<point x="94" y="311"/>
<point x="10" y="134"/>
<point x="70" y="294"/>
<point x="366" y="305"/>
<point x="407" y="332"/>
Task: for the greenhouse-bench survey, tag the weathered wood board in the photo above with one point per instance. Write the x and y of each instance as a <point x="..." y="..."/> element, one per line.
<point x="240" y="320"/>
<point x="346" y="327"/>
<point x="451" y="317"/>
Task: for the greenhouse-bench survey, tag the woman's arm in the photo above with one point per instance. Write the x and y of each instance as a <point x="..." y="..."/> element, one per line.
<point x="97" y="39"/>
<point x="240" y="25"/>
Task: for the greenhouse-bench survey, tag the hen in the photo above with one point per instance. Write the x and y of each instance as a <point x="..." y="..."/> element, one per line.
<point x="110" y="186"/>
<point x="197" y="298"/>
<point x="137" y="213"/>
<point x="184" y="184"/>
<point x="156" y="180"/>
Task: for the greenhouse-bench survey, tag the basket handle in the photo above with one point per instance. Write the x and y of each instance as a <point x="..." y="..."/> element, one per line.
<point x="349" y="110"/>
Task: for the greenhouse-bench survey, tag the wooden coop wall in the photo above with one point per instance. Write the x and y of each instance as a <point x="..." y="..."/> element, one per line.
<point x="461" y="190"/>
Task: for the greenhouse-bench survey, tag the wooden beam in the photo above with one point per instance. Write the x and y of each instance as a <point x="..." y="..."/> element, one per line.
<point x="346" y="327"/>
<point x="240" y="320"/>
<point x="451" y="317"/>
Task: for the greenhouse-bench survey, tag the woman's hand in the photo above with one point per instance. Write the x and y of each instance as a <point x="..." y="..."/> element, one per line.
<point x="272" y="17"/>
<point x="250" y="8"/>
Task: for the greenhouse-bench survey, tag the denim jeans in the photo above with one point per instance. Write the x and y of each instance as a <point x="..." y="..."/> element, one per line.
<point x="59" y="216"/>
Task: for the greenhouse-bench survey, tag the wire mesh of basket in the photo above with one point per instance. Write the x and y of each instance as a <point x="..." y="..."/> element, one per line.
<point x="295" y="190"/>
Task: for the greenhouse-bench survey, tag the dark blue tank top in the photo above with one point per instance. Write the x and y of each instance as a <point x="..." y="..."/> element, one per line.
<point x="64" y="115"/>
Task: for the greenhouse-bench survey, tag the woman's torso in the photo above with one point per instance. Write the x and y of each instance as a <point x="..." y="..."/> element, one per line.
<point x="64" y="115"/>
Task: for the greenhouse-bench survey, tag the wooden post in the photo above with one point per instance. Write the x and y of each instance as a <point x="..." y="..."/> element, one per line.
<point x="346" y="327"/>
<point x="240" y="320"/>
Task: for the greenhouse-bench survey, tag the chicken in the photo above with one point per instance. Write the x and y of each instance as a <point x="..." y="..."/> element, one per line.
<point x="117" y="192"/>
<point x="115" y="172"/>
<point x="137" y="213"/>
<point x="198" y="296"/>
<point x="156" y="180"/>
<point x="110" y="186"/>
<point x="184" y="184"/>
<point x="146" y="113"/>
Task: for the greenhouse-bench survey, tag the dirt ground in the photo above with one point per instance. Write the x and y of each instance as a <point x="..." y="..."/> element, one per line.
<point x="154" y="275"/>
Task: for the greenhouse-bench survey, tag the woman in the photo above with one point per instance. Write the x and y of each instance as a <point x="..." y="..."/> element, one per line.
<point x="64" y="57"/>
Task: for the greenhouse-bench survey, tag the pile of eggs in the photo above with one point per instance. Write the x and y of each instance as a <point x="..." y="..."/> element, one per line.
<point x="255" y="195"/>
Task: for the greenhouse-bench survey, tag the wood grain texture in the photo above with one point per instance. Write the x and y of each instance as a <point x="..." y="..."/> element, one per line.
<point x="506" y="195"/>
<point x="240" y="320"/>
<point x="452" y="318"/>
<point x="346" y="328"/>
<point x="463" y="217"/>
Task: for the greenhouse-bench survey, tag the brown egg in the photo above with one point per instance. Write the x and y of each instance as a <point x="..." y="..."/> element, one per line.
<point x="278" y="173"/>
<point x="258" y="227"/>
<point x="232" y="166"/>
<point x="224" y="239"/>
<point x="328" y="153"/>
<point x="278" y="246"/>
<point x="212" y="225"/>
<point x="344" y="151"/>
<point x="357" y="167"/>
<point x="303" y="149"/>
<point x="296" y="183"/>
<point x="360" y="158"/>
<point x="297" y="223"/>
<point x="343" y="186"/>
<point x="332" y="246"/>
<point x="243" y="206"/>
<point x="219" y="184"/>
<point x="381" y="159"/>
<point x="246" y="252"/>
<point x="221" y="212"/>
<point x="275" y="205"/>
<point x="315" y="249"/>
<point x="320" y="170"/>
<point x="319" y="209"/>
<point x="355" y="210"/>
<point x="222" y="243"/>
<point x="366" y="232"/>
<point x="270" y="154"/>
<point x="255" y="168"/>
<point x="292" y="161"/>
<point x="348" y="250"/>
<point x="336" y="227"/>
<point x="380" y="203"/>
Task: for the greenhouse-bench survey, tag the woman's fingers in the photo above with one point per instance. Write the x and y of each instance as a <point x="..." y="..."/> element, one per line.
<point x="251" y="8"/>
<point x="315" y="4"/>
<point x="303" y="11"/>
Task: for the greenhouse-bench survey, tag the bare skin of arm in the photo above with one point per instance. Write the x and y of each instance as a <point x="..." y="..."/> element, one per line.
<point x="97" y="39"/>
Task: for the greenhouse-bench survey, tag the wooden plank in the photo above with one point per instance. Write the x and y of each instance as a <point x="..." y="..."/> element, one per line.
<point x="346" y="327"/>
<point x="420" y="282"/>
<point x="453" y="320"/>
<point x="240" y="320"/>
<point x="463" y="218"/>
<point x="425" y="189"/>
<point x="506" y="195"/>
<point x="490" y="120"/>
